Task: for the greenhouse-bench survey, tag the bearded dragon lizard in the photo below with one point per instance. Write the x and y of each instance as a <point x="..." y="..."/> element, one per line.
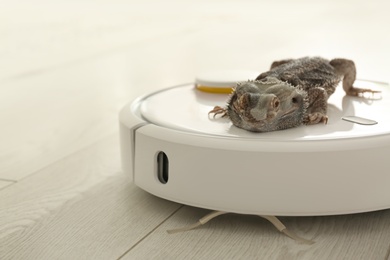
<point x="293" y="92"/>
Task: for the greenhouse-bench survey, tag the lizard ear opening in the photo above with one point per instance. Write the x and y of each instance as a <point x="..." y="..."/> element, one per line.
<point x="297" y="99"/>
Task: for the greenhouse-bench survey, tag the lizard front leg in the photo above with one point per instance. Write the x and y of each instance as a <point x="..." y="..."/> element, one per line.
<point x="217" y="110"/>
<point x="316" y="111"/>
<point x="346" y="69"/>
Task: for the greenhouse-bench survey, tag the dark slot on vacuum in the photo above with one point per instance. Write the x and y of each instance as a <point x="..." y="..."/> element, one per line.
<point x="162" y="167"/>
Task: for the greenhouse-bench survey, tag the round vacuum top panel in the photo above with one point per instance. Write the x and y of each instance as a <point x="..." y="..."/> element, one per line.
<point x="186" y="108"/>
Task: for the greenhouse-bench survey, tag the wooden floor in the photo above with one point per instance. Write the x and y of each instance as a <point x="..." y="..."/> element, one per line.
<point x="66" y="68"/>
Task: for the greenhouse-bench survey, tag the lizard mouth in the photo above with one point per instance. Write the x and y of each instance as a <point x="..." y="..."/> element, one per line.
<point x="289" y="112"/>
<point x="268" y="118"/>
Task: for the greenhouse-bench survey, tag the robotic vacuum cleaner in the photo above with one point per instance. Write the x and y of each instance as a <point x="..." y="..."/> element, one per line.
<point x="171" y="148"/>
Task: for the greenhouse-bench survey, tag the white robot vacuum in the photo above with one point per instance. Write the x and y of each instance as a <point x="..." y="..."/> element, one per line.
<point x="174" y="150"/>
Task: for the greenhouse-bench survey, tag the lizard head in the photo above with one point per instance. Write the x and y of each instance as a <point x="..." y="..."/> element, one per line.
<point x="267" y="105"/>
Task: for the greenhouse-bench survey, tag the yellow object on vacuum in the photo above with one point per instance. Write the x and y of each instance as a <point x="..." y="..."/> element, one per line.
<point x="222" y="81"/>
<point x="218" y="90"/>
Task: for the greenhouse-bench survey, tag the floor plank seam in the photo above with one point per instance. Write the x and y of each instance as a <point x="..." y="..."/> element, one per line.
<point x="149" y="233"/>
<point x="14" y="181"/>
<point x="6" y="183"/>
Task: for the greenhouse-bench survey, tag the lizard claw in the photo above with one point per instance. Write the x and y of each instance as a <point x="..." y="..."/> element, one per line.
<point x="316" y="118"/>
<point x="217" y="110"/>
<point x="361" y="91"/>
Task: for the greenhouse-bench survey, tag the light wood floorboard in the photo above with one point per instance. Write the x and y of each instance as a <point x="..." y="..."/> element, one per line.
<point x="359" y="236"/>
<point x="49" y="115"/>
<point x="81" y="207"/>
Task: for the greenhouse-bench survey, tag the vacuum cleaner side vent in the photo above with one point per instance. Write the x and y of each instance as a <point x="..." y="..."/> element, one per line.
<point x="162" y="167"/>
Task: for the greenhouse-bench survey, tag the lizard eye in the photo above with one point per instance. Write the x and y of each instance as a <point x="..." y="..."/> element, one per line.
<point x="294" y="100"/>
